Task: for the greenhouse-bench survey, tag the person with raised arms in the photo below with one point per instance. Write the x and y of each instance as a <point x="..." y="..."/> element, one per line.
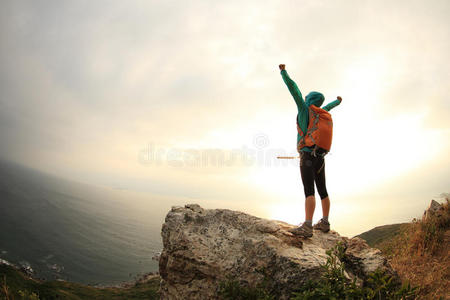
<point x="314" y="136"/>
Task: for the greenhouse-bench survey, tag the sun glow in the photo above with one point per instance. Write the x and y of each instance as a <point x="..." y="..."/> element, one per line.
<point x="292" y="213"/>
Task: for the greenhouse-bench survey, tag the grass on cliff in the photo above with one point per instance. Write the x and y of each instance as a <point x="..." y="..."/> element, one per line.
<point x="420" y="254"/>
<point x="16" y="285"/>
<point x="382" y="233"/>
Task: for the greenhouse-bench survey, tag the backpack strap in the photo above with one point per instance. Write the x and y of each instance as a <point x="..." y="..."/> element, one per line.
<point x="299" y="130"/>
<point x="301" y="142"/>
<point x="315" y="116"/>
<point x="323" y="164"/>
<point x="314" y="152"/>
<point x="322" y="151"/>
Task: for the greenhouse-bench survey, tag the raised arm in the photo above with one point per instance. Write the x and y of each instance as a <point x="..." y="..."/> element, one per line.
<point x="293" y="88"/>
<point x="333" y="104"/>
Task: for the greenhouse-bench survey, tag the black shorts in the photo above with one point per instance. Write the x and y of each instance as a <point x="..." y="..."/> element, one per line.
<point x="312" y="169"/>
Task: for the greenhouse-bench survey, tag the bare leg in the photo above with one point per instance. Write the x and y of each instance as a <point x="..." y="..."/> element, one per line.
<point x="326" y="206"/>
<point x="310" y="205"/>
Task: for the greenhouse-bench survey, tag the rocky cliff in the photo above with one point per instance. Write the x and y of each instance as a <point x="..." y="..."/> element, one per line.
<point x="203" y="247"/>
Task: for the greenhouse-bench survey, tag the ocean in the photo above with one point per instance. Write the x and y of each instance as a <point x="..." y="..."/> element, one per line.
<point x="72" y="231"/>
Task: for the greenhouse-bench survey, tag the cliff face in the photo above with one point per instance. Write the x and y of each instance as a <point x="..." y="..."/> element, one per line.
<point x="204" y="246"/>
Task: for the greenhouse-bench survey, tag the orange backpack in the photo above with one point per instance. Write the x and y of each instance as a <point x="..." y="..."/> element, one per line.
<point x="320" y="130"/>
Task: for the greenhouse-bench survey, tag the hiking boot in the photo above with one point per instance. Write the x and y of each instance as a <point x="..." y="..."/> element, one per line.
<point x="303" y="231"/>
<point x="322" y="225"/>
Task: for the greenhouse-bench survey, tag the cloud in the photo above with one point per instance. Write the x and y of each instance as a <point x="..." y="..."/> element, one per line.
<point x="86" y="85"/>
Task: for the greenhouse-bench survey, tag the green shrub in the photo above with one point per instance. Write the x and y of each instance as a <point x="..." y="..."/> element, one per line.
<point x="5" y="293"/>
<point x="25" y="295"/>
<point x="333" y="284"/>
<point x="15" y="285"/>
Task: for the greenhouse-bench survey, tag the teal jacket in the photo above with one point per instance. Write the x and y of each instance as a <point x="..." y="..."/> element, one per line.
<point x="314" y="98"/>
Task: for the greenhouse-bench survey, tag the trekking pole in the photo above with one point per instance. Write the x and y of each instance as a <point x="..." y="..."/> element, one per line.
<point x="287" y="157"/>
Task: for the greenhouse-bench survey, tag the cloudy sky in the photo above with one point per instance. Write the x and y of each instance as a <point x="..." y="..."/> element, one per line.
<point x="184" y="100"/>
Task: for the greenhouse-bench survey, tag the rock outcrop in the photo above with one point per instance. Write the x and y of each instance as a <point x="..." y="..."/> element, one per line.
<point x="203" y="247"/>
<point x="435" y="208"/>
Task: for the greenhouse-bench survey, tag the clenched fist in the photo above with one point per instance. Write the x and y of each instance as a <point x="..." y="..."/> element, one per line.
<point x="282" y="67"/>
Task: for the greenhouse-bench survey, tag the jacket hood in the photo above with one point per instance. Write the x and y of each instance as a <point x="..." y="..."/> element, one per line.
<point x="314" y="98"/>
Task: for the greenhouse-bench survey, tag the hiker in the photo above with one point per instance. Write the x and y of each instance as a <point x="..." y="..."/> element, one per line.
<point x="312" y="163"/>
